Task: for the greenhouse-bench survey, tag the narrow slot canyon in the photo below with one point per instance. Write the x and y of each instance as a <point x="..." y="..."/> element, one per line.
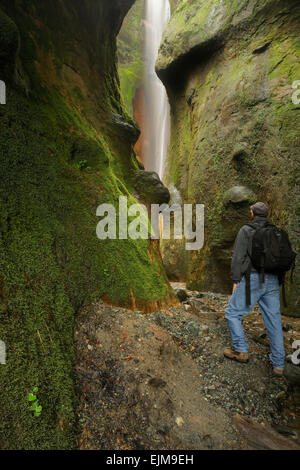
<point x="142" y="144"/>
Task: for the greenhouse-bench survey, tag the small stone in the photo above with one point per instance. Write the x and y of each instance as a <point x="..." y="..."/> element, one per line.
<point x="193" y="329"/>
<point x="179" y="421"/>
<point x="90" y="348"/>
<point x="164" y="429"/>
<point x="196" y="304"/>
<point x="204" y="328"/>
<point x="280" y="395"/>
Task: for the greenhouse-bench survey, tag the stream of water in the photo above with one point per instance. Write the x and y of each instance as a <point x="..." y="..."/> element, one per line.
<point x="157" y="109"/>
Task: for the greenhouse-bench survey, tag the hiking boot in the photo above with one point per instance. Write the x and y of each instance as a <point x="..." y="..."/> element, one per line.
<point x="237" y="356"/>
<point x="277" y="372"/>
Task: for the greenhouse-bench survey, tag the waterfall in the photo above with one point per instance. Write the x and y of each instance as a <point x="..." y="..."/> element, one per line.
<point x="157" y="110"/>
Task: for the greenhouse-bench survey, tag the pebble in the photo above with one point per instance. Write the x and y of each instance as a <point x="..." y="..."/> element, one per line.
<point x="179" y="421"/>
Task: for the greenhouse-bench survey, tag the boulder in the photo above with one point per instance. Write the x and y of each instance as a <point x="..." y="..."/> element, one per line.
<point x="150" y="188"/>
<point x="239" y="195"/>
<point x="181" y="294"/>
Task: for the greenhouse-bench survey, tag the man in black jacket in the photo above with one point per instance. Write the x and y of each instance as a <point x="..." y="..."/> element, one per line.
<point x="266" y="294"/>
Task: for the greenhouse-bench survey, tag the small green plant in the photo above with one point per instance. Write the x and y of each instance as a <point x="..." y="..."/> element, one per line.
<point x="35" y="406"/>
<point x="82" y="165"/>
<point x="106" y="272"/>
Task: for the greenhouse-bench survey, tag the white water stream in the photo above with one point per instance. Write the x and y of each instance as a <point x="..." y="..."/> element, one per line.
<point x="157" y="109"/>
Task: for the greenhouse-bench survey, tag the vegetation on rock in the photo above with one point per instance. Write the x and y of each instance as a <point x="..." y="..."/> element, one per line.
<point x="130" y="53"/>
<point x="63" y="109"/>
<point x="229" y="69"/>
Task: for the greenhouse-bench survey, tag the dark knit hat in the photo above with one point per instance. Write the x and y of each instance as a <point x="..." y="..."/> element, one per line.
<point x="260" y="209"/>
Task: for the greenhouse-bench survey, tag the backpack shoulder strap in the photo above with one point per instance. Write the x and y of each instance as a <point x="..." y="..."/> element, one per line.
<point x="255" y="226"/>
<point x="252" y="225"/>
<point x="248" y="286"/>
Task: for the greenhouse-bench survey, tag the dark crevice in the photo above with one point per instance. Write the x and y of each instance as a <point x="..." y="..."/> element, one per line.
<point x="262" y="49"/>
<point x="176" y="74"/>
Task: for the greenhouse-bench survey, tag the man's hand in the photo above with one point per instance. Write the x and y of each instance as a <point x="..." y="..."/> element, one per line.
<point x="235" y="287"/>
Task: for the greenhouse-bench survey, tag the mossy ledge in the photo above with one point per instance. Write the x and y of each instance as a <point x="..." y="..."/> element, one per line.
<point x="66" y="146"/>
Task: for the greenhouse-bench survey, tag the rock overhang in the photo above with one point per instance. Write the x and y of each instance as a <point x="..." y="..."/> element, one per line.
<point x="199" y="28"/>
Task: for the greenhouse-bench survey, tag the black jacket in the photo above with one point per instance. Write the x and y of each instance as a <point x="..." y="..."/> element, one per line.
<point x="242" y="249"/>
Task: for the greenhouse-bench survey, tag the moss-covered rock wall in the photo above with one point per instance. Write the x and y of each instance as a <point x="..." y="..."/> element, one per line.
<point x="131" y="66"/>
<point x="130" y="53"/>
<point x="229" y="67"/>
<point x="66" y="146"/>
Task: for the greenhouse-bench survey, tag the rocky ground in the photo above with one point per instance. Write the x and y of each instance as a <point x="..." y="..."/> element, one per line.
<point x="160" y="381"/>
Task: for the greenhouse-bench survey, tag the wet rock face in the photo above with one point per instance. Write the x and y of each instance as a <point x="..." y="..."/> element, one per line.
<point x="125" y="128"/>
<point x="150" y="189"/>
<point x="9" y="45"/>
<point x="229" y="70"/>
<point x="66" y="147"/>
<point x="130" y="55"/>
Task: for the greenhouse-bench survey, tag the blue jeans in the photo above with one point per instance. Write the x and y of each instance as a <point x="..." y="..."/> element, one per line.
<point x="268" y="297"/>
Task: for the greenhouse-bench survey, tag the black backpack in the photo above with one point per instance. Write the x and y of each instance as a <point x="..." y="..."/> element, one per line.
<point x="272" y="253"/>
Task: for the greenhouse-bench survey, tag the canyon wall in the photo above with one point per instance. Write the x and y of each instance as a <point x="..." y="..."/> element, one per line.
<point x="229" y="67"/>
<point x="66" y="146"/>
<point x="130" y="54"/>
<point x="130" y="44"/>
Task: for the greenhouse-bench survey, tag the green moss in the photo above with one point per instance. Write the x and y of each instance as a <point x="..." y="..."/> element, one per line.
<point x="130" y="78"/>
<point x="283" y="59"/>
<point x="51" y="261"/>
<point x="195" y="23"/>
<point x="199" y="23"/>
<point x="130" y="54"/>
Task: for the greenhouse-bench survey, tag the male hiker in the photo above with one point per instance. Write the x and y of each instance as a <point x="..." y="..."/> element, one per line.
<point x="256" y="280"/>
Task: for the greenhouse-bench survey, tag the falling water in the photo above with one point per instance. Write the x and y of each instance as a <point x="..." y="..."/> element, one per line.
<point x="157" y="110"/>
